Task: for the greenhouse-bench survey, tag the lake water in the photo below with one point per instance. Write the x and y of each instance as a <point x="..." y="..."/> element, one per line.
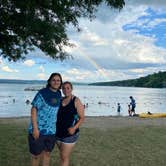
<point x="102" y="101"/>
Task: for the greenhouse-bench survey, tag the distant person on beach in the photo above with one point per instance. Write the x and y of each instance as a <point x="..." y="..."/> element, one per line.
<point x="132" y="104"/>
<point x="86" y="105"/>
<point x="42" y="127"/>
<point x="118" y="109"/>
<point x="70" y="117"/>
<point x="129" y="110"/>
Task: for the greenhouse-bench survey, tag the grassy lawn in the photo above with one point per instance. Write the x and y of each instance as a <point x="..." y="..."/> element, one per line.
<point x="141" y="146"/>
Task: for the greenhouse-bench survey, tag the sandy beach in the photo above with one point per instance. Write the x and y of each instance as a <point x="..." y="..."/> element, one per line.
<point x="109" y="122"/>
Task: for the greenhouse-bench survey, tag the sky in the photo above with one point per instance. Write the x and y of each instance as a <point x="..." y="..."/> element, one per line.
<point x="114" y="46"/>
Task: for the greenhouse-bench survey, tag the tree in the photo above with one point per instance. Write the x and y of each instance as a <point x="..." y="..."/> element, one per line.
<point x="26" y="24"/>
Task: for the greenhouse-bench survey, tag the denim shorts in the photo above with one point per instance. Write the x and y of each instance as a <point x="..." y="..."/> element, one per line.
<point x="68" y="140"/>
<point x="43" y="143"/>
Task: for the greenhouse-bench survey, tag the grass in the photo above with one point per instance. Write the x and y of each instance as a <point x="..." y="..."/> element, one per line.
<point x="140" y="146"/>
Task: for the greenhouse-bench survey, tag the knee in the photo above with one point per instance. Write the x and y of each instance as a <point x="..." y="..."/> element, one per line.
<point x="46" y="154"/>
<point x="35" y="157"/>
<point x="64" y="157"/>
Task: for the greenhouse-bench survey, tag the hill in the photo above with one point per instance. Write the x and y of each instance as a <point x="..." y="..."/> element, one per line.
<point x="43" y="82"/>
<point x="156" y="80"/>
<point x="14" y="81"/>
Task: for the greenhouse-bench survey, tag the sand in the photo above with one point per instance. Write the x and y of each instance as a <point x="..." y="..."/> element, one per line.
<point x="101" y="122"/>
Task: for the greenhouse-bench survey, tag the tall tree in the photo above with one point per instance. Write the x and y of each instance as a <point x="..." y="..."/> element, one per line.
<point x="26" y="24"/>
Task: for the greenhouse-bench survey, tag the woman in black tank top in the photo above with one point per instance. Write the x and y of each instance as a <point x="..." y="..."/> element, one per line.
<point x="70" y="117"/>
<point x="67" y="118"/>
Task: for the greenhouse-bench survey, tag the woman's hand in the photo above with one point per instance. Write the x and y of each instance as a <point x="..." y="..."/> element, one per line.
<point x="71" y="130"/>
<point x="35" y="134"/>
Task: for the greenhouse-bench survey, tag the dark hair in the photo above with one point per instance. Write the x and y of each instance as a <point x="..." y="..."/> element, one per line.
<point x="131" y="97"/>
<point x="67" y="82"/>
<point x="50" y="78"/>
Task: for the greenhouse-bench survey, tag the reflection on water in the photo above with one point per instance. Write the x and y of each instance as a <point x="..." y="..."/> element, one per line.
<point x="99" y="100"/>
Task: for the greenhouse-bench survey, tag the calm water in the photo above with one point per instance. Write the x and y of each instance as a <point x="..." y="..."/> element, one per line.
<point x="102" y="101"/>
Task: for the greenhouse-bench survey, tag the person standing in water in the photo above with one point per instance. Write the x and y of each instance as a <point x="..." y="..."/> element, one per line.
<point x="129" y="110"/>
<point x="70" y="117"/>
<point x="132" y="104"/>
<point x="118" y="109"/>
<point x="42" y="127"/>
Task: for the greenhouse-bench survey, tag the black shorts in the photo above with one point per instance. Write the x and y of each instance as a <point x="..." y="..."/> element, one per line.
<point x="133" y="109"/>
<point x="43" y="143"/>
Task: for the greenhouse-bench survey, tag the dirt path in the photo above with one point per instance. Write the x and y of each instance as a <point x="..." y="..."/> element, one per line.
<point x="101" y="122"/>
<point x="121" y="122"/>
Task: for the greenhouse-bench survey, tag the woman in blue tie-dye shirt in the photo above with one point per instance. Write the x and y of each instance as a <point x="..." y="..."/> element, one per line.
<point x="42" y="127"/>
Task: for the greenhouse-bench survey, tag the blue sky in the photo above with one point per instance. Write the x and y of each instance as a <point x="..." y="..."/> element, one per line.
<point x="114" y="46"/>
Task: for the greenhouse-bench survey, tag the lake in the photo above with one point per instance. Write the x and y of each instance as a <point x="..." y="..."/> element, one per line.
<point x="101" y="100"/>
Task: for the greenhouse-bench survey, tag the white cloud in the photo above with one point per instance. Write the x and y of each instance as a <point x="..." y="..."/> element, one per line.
<point x="1" y="61"/>
<point x="103" y="48"/>
<point x="41" y="76"/>
<point x="73" y="71"/>
<point x="72" y="49"/>
<point x="75" y="75"/>
<point x="156" y="22"/>
<point x="152" y="3"/>
<point x="7" y="69"/>
<point x="92" y="37"/>
<point x="29" y="62"/>
<point x="139" y="48"/>
<point x="122" y="46"/>
<point x="41" y="67"/>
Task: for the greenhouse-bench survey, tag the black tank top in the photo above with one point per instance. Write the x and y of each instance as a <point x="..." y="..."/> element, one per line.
<point x="66" y="118"/>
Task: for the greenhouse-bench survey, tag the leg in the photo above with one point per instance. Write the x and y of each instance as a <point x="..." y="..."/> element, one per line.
<point x="129" y="112"/>
<point x="35" y="148"/>
<point x="58" y="144"/>
<point x="45" y="158"/>
<point x="49" y="142"/>
<point x="65" y="152"/>
<point x="133" y="110"/>
<point x="35" y="159"/>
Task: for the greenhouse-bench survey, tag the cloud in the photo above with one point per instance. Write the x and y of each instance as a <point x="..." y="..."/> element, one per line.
<point x="1" y="61"/>
<point x="75" y="75"/>
<point x="114" y="46"/>
<point x="156" y="22"/>
<point x="125" y="52"/>
<point x="29" y="62"/>
<point x="93" y="38"/>
<point x="7" y="69"/>
<point x="42" y="76"/>
<point x="124" y="48"/>
<point x="153" y="3"/>
<point x="41" y="67"/>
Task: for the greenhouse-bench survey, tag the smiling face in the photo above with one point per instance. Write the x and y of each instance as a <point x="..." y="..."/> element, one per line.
<point x="67" y="89"/>
<point x="55" y="82"/>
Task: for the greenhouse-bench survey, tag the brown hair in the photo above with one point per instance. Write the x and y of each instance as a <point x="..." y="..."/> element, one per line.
<point x="67" y="82"/>
<point x="50" y="78"/>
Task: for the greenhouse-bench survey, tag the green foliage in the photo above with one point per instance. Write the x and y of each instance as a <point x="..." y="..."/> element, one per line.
<point x="156" y="80"/>
<point x="27" y="24"/>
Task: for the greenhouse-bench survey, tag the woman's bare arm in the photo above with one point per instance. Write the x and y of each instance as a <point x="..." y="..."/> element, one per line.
<point x="35" y="132"/>
<point x="80" y="110"/>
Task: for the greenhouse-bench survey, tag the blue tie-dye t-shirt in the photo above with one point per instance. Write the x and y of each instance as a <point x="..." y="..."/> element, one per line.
<point x="47" y="104"/>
